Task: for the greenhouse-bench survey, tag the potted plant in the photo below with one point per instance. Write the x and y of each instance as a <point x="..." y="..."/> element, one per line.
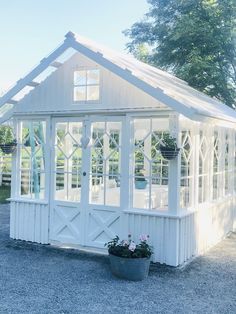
<point x="168" y="147"/>
<point x="8" y="142"/>
<point x="140" y="182"/>
<point x="129" y="260"/>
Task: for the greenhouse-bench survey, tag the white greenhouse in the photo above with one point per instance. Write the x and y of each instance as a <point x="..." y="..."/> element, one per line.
<point x="87" y="121"/>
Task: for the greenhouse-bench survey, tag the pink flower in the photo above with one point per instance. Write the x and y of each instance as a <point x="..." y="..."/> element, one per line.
<point x="143" y="237"/>
<point x="132" y="246"/>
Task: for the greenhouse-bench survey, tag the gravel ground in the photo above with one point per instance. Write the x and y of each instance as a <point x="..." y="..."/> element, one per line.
<point x="41" y="279"/>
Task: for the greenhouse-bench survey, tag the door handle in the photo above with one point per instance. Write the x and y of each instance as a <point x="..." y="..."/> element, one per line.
<point x="84" y="173"/>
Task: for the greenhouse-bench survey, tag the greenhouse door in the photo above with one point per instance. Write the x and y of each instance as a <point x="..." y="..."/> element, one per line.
<point x="85" y="204"/>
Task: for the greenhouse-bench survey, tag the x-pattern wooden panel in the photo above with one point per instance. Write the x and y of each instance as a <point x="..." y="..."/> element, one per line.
<point x="103" y="226"/>
<point x="67" y="221"/>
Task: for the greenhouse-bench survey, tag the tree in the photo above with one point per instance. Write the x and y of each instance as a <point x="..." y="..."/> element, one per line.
<point x="193" y="39"/>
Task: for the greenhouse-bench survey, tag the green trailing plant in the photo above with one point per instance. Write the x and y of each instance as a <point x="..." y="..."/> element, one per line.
<point x="168" y="141"/>
<point x="139" y="176"/>
<point x="129" y="249"/>
<point x="8" y="142"/>
<point x="6" y="135"/>
<point x="168" y="147"/>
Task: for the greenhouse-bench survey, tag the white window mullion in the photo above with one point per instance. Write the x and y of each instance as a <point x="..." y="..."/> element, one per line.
<point x="221" y="185"/>
<point x="126" y="163"/>
<point x="210" y="164"/>
<point x="231" y="162"/>
<point x="196" y="165"/>
<point x="16" y="162"/>
<point x="174" y="168"/>
<point x="192" y="167"/>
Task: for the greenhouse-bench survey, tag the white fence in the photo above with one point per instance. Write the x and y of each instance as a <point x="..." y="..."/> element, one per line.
<point x="5" y="170"/>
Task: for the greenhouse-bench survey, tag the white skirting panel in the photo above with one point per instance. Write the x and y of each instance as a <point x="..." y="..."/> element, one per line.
<point x="187" y="238"/>
<point x="163" y="233"/>
<point x="205" y="227"/>
<point x="175" y="239"/>
<point x="29" y="221"/>
<point x="178" y="239"/>
<point x="234" y="213"/>
<point x="213" y="223"/>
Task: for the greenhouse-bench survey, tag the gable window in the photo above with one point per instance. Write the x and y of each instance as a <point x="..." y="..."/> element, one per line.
<point x="87" y="85"/>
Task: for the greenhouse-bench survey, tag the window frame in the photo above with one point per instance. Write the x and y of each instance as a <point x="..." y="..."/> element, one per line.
<point x="16" y="193"/>
<point x="150" y="176"/>
<point x="204" y="157"/>
<point x="86" y="100"/>
<point x="217" y="170"/>
<point x="187" y="137"/>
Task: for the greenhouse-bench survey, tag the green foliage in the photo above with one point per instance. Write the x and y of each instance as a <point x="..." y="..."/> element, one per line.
<point x="128" y="248"/>
<point x="141" y="52"/>
<point x="6" y="135"/>
<point x="169" y="141"/>
<point x="5" y="192"/>
<point x="193" y="39"/>
<point x="139" y="175"/>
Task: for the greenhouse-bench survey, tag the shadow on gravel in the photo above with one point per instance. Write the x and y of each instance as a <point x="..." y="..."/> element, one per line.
<point x="37" y="278"/>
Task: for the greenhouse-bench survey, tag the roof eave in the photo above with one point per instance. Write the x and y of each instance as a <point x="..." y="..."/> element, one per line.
<point x="71" y="42"/>
<point x="127" y="75"/>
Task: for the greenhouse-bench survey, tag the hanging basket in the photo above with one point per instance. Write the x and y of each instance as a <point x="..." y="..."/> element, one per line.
<point x="169" y="153"/>
<point x="8" y="148"/>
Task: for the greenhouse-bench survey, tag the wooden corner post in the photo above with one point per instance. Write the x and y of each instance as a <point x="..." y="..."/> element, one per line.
<point x="174" y="168"/>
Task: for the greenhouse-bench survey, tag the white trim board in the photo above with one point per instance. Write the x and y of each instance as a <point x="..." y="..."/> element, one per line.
<point x="145" y="78"/>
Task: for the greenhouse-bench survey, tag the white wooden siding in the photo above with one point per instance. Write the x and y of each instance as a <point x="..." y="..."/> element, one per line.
<point x="214" y="223"/>
<point x="175" y="239"/>
<point x="55" y="94"/>
<point x="29" y="221"/>
<point x="163" y="233"/>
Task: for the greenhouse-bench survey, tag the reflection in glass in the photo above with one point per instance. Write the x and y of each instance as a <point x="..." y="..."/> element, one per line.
<point x="86" y="85"/>
<point x="32" y="159"/>
<point x="68" y="157"/>
<point x="149" y="177"/>
<point x="105" y="163"/>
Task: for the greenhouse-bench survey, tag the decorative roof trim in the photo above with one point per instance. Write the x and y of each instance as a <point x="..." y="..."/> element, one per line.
<point x="71" y="41"/>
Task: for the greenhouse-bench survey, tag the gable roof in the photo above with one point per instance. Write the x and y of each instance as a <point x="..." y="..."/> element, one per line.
<point x="164" y="87"/>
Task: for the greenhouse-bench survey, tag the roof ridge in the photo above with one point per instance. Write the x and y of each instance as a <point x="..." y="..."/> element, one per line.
<point x="161" y="85"/>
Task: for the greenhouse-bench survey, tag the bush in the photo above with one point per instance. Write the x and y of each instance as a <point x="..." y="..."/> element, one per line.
<point x="129" y="249"/>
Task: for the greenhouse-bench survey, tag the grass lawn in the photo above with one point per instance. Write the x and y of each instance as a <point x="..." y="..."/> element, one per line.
<point x="5" y="192"/>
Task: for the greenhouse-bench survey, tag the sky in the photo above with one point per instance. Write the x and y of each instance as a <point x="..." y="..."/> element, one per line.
<point x="31" y="29"/>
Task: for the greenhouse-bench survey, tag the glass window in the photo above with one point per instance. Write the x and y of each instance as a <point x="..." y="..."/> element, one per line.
<point x="68" y="160"/>
<point x="186" y="184"/>
<point x="105" y="163"/>
<point x="92" y="77"/>
<point x="229" y="163"/>
<point x="203" y="174"/>
<point x="80" y="78"/>
<point x="216" y="166"/>
<point x="92" y="92"/>
<point x="149" y="174"/>
<point x="80" y="93"/>
<point x="32" y="159"/>
<point x="234" y="161"/>
<point x="87" y="85"/>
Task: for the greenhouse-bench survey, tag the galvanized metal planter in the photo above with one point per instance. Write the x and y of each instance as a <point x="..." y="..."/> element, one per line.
<point x="134" y="269"/>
